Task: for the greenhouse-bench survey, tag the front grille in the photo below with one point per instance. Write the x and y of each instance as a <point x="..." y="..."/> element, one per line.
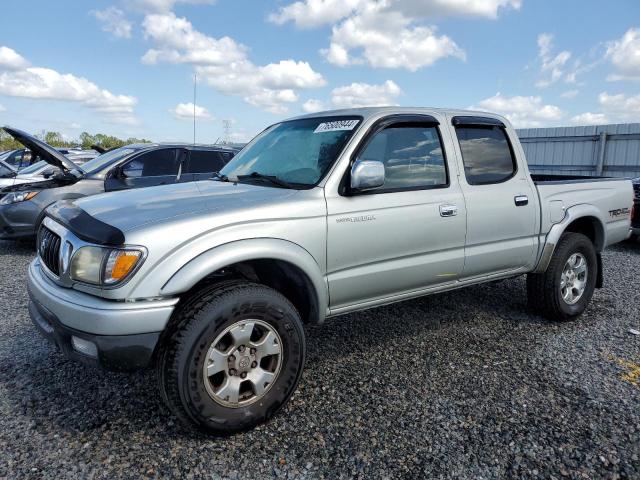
<point x="49" y="249"/>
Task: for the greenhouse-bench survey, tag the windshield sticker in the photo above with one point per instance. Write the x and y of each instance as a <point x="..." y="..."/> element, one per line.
<point x="336" y="126"/>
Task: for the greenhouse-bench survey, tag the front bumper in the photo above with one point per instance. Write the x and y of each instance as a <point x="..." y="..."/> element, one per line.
<point x="18" y="220"/>
<point x="124" y="334"/>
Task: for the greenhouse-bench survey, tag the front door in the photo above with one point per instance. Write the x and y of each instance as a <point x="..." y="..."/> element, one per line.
<point x="405" y="235"/>
<point x="502" y="219"/>
<point x="157" y="167"/>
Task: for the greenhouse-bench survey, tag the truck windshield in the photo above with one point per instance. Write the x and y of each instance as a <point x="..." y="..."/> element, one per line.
<point x="297" y="152"/>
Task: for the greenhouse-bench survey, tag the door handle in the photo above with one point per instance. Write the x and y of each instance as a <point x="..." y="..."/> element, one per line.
<point x="521" y="200"/>
<point x="448" y="210"/>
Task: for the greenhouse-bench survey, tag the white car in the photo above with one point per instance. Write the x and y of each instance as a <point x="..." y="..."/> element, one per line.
<point x="37" y="172"/>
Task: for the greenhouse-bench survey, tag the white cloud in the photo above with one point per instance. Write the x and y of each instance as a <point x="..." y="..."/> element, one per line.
<point x="387" y="39"/>
<point x="387" y="33"/>
<point x="11" y="60"/>
<point x="185" y="111"/>
<point x="224" y="65"/>
<point x="570" y="93"/>
<point x="2" y="108"/>
<point x="552" y="68"/>
<point x="589" y="118"/>
<point x="315" y="13"/>
<point x="46" y="83"/>
<point x="620" y="108"/>
<point x="624" y="55"/>
<point x="365" y="95"/>
<point x="162" y="6"/>
<point x="312" y="106"/>
<point x="459" y="8"/>
<point x="114" y="22"/>
<point x="179" y="42"/>
<point x="522" y="111"/>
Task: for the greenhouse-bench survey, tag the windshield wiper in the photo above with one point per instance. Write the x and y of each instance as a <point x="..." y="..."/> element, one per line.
<point x="219" y="176"/>
<point x="269" y="178"/>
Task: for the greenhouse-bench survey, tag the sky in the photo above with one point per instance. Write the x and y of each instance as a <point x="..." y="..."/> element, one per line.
<point x="127" y="67"/>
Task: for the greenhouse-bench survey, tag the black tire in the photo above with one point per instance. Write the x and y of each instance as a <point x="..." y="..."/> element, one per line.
<point x="197" y="324"/>
<point x="543" y="289"/>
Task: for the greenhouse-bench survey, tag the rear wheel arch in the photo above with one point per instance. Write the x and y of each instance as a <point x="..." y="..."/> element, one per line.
<point x="583" y="219"/>
<point x="591" y="227"/>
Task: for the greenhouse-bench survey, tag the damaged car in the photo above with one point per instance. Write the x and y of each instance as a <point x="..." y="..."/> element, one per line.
<point x="22" y="205"/>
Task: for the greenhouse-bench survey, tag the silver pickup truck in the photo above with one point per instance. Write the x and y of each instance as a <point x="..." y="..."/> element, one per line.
<point x="212" y="281"/>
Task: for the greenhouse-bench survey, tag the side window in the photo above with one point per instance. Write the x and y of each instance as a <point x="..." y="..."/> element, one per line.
<point x="412" y="157"/>
<point x="486" y="154"/>
<point x="205" y="161"/>
<point x="157" y="163"/>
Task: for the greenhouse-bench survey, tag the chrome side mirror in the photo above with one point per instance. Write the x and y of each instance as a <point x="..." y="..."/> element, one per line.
<point x="367" y="174"/>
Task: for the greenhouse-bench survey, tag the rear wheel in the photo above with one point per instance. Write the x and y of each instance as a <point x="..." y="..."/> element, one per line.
<point x="564" y="290"/>
<point x="234" y="358"/>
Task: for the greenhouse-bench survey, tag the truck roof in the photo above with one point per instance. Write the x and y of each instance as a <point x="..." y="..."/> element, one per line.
<point x="370" y="112"/>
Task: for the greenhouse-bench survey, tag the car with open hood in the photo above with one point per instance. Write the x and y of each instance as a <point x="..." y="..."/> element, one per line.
<point x="22" y="205"/>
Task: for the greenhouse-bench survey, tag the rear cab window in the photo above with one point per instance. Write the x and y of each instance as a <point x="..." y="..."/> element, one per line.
<point x="487" y="154"/>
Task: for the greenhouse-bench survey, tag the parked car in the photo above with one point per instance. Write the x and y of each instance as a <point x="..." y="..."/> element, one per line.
<point x="635" y="222"/>
<point x="7" y="171"/>
<point x="16" y="158"/>
<point x="321" y="215"/>
<point x="37" y="172"/>
<point x="22" y="206"/>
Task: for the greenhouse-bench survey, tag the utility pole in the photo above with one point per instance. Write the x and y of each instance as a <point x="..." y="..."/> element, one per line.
<point x="195" y="82"/>
<point x="226" y="128"/>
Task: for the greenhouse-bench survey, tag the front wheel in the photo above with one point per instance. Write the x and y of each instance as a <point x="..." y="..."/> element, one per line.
<point x="564" y="290"/>
<point x="234" y="358"/>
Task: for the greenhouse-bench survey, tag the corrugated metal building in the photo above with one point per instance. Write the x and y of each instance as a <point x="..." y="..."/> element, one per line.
<point x="607" y="150"/>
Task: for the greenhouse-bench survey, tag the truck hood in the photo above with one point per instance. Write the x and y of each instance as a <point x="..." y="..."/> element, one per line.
<point x="127" y="210"/>
<point x="45" y="151"/>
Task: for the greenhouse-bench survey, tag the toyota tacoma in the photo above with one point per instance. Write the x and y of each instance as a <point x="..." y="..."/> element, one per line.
<point x="211" y="282"/>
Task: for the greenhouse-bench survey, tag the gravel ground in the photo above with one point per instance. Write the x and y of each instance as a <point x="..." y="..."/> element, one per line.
<point x="467" y="384"/>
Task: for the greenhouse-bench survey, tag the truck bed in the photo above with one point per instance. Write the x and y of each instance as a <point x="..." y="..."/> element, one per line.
<point x="606" y="198"/>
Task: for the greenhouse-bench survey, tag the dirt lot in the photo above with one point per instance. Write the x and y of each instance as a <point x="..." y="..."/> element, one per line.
<point x="465" y="384"/>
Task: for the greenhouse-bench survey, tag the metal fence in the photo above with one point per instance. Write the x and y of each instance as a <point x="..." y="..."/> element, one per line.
<point x="599" y="150"/>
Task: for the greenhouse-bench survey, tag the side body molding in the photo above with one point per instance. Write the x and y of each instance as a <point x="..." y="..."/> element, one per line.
<point x="252" y="249"/>
<point x="572" y="214"/>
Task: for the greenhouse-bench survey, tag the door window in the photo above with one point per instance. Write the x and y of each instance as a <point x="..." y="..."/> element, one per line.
<point x="158" y="163"/>
<point x="412" y="156"/>
<point x="205" y="161"/>
<point x="486" y="154"/>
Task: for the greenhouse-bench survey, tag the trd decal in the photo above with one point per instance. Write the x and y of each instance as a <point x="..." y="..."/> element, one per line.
<point x="619" y="212"/>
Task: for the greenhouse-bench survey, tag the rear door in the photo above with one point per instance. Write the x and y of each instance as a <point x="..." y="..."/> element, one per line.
<point x="201" y="164"/>
<point x="406" y="235"/>
<point x="502" y="218"/>
<point x="156" y="167"/>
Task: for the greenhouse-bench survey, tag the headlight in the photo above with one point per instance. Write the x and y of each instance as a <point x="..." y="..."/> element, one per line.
<point x="17" y="197"/>
<point x="104" y="266"/>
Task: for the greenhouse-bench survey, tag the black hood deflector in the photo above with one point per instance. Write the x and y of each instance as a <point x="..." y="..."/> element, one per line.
<point x="83" y="225"/>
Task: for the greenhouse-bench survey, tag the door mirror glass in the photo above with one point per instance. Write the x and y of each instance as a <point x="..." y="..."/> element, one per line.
<point x="367" y="174"/>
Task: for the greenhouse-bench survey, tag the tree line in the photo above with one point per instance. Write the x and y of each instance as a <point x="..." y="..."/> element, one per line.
<point x="86" y="140"/>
